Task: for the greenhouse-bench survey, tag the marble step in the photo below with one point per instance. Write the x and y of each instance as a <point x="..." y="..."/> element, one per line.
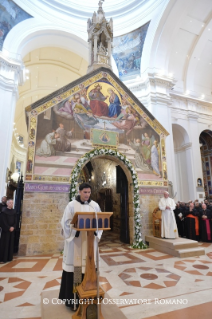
<point x="179" y="247"/>
<point x="191" y="252"/>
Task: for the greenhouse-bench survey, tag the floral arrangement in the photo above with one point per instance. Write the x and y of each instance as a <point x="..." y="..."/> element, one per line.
<point x="138" y="242"/>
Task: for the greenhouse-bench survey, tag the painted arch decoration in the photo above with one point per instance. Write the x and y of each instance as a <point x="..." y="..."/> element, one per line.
<point x="92" y="112"/>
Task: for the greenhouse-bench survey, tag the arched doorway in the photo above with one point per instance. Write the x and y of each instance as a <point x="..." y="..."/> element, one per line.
<point x="132" y="187"/>
<point x="110" y="190"/>
<point x="205" y="140"/>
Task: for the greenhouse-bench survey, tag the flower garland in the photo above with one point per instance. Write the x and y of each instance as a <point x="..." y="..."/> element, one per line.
<point x="138" y="242"/>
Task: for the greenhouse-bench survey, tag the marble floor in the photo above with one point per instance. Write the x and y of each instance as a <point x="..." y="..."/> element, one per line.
<point x="143" y="283"/>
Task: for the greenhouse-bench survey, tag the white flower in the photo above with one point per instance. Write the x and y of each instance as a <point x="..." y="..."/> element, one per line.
<point x="73" y="189"/>
<point x="140" y="240"/>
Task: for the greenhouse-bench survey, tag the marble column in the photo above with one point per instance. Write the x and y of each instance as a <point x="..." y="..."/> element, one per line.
<point x="109" y="51"/>
<point x="95" y="48"/>
<point x="11" y="75"/>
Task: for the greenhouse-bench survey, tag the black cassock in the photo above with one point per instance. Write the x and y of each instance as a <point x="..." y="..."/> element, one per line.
<point x="180" y="222"/>
<point x="7" y="220"/>
<point x="191" y="223"/>
<point x="205" y="225"/>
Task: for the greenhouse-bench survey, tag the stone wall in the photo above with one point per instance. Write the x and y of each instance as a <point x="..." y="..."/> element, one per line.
<point x="148" y="203"/>
<point x="40" y="230"/>
<point x="42" y="212"/>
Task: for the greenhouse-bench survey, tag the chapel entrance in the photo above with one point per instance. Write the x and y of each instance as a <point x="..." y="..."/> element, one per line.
<point x="110" y="190"/>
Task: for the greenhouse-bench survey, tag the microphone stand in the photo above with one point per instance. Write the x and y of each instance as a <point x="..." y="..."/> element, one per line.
<point x="97" y="262"/>
<point x="97" y="266"/>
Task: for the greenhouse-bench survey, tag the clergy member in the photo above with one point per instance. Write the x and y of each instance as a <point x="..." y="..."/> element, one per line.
<point x="75" y="249"/>
<point x="3" y="203"/>
<point x="168" y="222"/>
<point x="8" y="224"/>
<point x="192" y="223"/>
<point x="205" y="216"/>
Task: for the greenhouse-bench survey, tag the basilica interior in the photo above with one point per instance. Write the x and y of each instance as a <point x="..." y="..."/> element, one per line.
<point x="152" y="68"/>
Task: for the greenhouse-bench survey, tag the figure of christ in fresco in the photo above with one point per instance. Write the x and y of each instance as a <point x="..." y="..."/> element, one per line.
<point x="146" y="148"/>
<point x="126" y="120"/>
<point x="97" y="104"/>
<point x="115" y="104"/>
<point x="155" y="159"/>
<point x="47" y="145"/>
<point x="139" y="161"/>
<point x="63" y="144"/>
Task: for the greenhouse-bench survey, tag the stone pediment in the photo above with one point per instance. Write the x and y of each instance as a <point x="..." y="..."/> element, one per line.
<point x="97" y="110"/>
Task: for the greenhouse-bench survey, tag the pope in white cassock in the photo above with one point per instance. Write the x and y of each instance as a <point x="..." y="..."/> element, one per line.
<point x="168" y="223"/>
<point x="75" y="249"/>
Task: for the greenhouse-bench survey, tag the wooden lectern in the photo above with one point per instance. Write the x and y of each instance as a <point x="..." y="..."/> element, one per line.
<point x="87" y="290"/>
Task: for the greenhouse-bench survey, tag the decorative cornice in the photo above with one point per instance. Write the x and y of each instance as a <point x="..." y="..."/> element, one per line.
<point x="187" y="98"/>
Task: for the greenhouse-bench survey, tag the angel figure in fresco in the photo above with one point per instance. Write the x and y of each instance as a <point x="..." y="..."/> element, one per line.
<point x="127" y="120"/>
<point x="67" y="107"/>
<point x="97" y="104"/>
<point x="146" y="147"/>
<point x="139" y="161"/>
<point x="47" y="145"/>
<point x="155" y="158"/>
<point x="115" y="104"/>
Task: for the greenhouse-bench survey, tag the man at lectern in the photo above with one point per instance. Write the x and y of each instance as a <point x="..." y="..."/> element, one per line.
<point x="74" y="255"/>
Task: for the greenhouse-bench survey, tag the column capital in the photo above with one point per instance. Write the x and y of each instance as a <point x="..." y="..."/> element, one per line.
<point x="192" y="116"/>
<point x="12" y="72"/>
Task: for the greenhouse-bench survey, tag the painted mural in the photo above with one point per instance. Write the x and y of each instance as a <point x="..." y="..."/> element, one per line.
<point x="95" y="113"/>
<point x="10" y="15"/>
<point x="127" y="51"/>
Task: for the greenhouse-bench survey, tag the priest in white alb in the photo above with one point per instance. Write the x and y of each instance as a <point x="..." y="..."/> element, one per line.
<point x="168" y="222"/>
<point x="75" y="250"/>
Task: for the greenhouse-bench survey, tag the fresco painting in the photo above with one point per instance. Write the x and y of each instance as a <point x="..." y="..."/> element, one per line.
<point x="97" y="113"/>
<point x="127" y="52"/>
<point x="10" y="15"/>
